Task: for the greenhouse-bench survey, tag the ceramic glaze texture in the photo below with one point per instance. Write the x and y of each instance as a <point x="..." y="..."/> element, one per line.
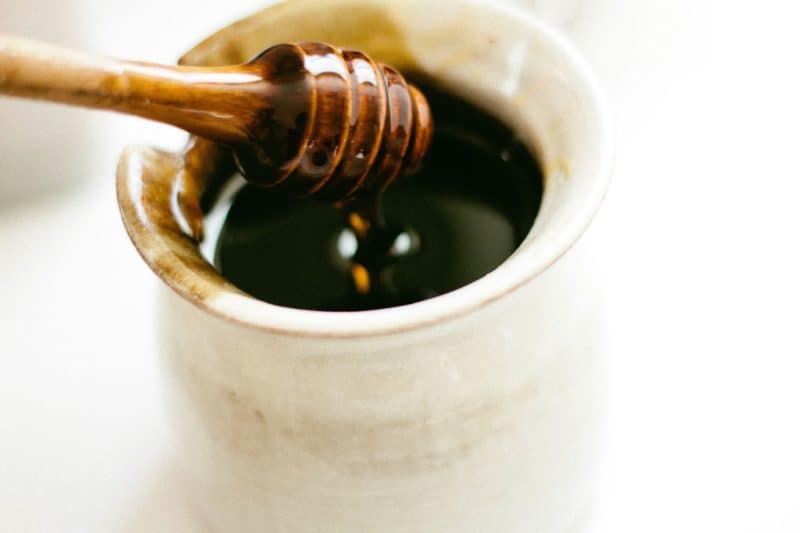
<point x="475" y="411"/>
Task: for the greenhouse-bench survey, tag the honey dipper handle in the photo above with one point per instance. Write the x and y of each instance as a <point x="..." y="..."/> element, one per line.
<point x="203" y="101"/>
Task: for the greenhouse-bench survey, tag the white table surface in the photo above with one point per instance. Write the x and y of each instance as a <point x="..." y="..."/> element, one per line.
<point x="702" y="261"/>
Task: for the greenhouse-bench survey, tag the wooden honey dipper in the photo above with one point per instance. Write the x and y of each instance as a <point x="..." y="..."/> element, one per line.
<point x="309" y="117"/>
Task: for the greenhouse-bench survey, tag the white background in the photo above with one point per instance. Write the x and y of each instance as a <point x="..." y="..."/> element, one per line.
<point x="701" y="258"/>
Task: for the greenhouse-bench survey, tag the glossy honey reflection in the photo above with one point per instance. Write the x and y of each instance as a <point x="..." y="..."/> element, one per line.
<point x="345" y="124"/>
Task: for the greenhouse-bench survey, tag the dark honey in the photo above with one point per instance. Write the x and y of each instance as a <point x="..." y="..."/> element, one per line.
<point x="463" y="214"/>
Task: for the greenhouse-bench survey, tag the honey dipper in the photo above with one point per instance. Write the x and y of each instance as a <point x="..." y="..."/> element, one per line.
<point x="310" y="117"/>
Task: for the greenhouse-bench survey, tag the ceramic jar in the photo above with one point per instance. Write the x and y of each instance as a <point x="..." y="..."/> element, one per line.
<point x="475" y="411"/>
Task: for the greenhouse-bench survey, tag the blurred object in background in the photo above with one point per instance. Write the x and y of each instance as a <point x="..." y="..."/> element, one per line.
<point x="43" y="148"/>
<point x="558" y="13"/>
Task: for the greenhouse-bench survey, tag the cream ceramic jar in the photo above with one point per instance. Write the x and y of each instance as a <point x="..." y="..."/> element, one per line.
<point x="475" y="411"/>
